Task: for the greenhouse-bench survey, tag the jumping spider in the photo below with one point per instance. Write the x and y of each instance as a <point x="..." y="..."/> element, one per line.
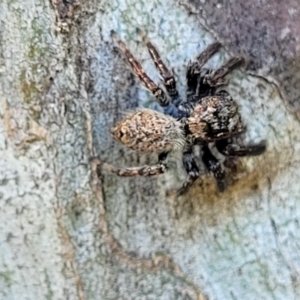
<point x="207" y="116"/>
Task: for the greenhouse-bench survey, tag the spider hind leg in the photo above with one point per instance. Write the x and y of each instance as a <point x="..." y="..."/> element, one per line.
<point x="144" y="170"/>
<point x="169" y="80"/>
<point x="139" y="72"/>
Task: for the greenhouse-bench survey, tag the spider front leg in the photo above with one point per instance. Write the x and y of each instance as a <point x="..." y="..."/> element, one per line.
<point x="214" y="166"/>
<point x="138" y="71"/>
<point x="228" y="148"/>
<point x="217" y="77"/>
<point x="191" y="168"/>
<point x="169" y="80"/>
<point x="193" y="76"/>
<point x="144" y="170"/>
<point x="195" y="66"/>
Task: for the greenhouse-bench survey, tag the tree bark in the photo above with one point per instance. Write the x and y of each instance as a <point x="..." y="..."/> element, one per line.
<point x="70" y="231"/>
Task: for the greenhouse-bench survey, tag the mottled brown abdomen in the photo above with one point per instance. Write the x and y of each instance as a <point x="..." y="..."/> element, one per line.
<point x="149" y="131"/>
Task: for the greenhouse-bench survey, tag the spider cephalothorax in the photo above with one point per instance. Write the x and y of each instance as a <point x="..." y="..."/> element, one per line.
<point x="206" y="116"/>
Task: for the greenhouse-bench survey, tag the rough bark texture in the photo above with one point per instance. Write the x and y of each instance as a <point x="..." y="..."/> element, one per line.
<point x="67" y="234"/>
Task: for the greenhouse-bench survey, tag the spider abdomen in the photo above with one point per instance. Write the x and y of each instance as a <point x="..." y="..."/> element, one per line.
<point x="215" y="117"/>
<point x="149" y="131"/>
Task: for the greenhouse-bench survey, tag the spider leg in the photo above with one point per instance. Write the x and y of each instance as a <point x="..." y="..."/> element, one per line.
<point x="217" y="77"/>
<point x="138" y="71"/>
<point x="193" y="74"/>
<point x="169" y="80"/>
<point x="191" y="168"/>
<point x="214" y="166"/>
<point x="144" y="170"/>
<point x="195" y="66"/>
<point x="228" y="148"/>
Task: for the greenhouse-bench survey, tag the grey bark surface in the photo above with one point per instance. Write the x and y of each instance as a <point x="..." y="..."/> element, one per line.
<point x="67" y="233"/>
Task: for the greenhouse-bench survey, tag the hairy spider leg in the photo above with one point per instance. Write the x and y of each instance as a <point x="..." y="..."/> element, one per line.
<point x="191" y="168"/>
<point x="169" y="80"/>
<point x="194" y="70"/>
<point x="216" y="77"/>
<point x="214" y="166"/>
<point x="228" y="148"/>
<point x="138" y="71"/>
<point x="144" y="170"/>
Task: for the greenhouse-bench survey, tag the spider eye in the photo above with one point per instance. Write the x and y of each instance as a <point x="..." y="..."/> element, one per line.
<point x="121" y="133"/>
